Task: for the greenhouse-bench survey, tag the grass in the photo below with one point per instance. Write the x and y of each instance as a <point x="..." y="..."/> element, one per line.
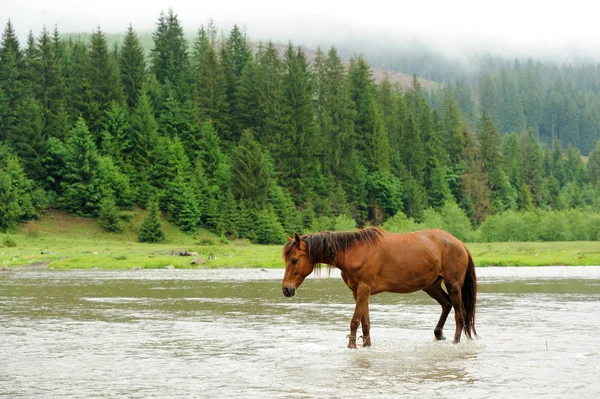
<point x="61" y="241"/>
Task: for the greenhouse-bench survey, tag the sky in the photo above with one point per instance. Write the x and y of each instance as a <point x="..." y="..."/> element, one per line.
<point x="518" y="26"/>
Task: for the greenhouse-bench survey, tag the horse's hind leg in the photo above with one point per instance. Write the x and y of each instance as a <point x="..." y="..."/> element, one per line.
<point x="459" y="313"/>
<point x="436" y="292"/>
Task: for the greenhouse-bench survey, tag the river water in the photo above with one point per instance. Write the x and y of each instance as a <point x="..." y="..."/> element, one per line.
<point x="231" y="333"/>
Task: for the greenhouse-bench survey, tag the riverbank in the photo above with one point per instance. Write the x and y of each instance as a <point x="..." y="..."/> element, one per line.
<point x="60" y="241"/>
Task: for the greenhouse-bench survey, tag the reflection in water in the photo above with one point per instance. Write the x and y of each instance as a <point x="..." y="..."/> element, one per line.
<point x="230" y="333"/>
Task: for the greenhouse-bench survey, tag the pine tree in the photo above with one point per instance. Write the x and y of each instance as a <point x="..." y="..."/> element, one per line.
<point x="105" y="83"/>
<point x="334" y="113"/>
<point x="247" y="112"/>
<point x="81" y="183"/>
<point x="295" y="160"/>
<point x="476" y="194"/>
<point x="210" y="97"/>
<point x="235" y="56"/>
<point x="132" y="67"/>
<point x="272" y="125"/>
<point x="151" y="228"/>
<point x="249" y="173"/>
<point x="512" y="118"/>
<point x="144" y="133"/>
<point x="531" y="165"/>
<point x="183" y="207"/>
<point x="434" y="176"/>
<point x="48" y="88"/>
<point x="170" y="61"/>
<point x="593" y="166"/>
<point x="493" y="165"/>
<point x="108" y="215"/>
<point x="115" y="133"/>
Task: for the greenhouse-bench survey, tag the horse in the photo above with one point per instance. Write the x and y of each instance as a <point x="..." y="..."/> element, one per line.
<point x="373" y="260"/>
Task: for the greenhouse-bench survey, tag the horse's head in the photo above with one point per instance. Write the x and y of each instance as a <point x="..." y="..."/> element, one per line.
<point x="297" y="265"/>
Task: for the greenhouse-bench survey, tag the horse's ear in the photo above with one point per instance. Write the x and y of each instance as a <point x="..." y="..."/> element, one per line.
<point x="289" y="238"/>
<point x="297" y="238"/>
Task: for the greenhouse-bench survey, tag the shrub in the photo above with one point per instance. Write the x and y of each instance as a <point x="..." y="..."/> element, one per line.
<point x="400" y="223"/>
<point x="9" y="242"/>
<point x="456" y="221"/>
<point x="344" y="223"/>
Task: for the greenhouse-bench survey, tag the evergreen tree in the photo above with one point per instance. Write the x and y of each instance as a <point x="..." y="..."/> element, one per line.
<point x="434" y="177"/>
<point x="210" y="97"/>
<point x="151" y="228"/>
<point x="132" y="67"/>
<point x="105" y="83"/>
<point x="48" y="88"/>
<point x="108" y="215"/>
<point x="476" y="195"/>
<point x="115" y="133"/>
<point x="249" y="173"/>
<point x="493" y="165"/>
<point x="183" y="206"/>
<point x="334" y="112"/>
<point x="296" y="159"/>
<point x="512" y="118"/>
<point x="247" y="114"/>
<point x="144" y="133"/>
<point x="81" y="182"/>
<point x="170" y="61"/>
<point x="272" y="125"/>
<point x="593" y="166"/>
<point x="531" y="165"/>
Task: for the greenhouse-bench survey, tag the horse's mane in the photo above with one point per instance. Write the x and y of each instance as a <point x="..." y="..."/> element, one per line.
<point x="323" y="247"/>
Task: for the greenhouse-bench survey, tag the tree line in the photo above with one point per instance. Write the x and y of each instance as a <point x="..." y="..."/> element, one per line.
<point x="254" y="142"/>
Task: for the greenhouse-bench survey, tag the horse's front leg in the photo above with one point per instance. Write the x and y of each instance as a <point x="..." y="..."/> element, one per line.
<point x="365" y="323"/>
<point x="361" y="309"/>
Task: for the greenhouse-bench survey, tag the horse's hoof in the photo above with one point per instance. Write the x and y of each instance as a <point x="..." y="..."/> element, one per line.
<point x="439" y="337"/>
<point x="367" y="344"/>
<point x="456" y="341"/>
<point x="352" y="345"/>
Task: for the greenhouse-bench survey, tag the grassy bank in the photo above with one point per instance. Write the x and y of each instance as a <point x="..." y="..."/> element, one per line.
<point x="61" y="241"/>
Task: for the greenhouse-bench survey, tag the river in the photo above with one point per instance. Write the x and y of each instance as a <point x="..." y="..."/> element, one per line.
<point x="230" y="333"/>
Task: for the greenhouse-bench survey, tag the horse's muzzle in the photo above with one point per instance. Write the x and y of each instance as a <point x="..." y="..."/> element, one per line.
<point x="289" y="291"/>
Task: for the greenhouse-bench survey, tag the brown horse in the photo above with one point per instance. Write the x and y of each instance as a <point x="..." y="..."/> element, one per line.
<point x="373" y="261"/>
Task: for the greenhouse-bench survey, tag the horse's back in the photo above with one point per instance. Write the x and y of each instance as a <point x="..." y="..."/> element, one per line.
<point x="415" y="260"/>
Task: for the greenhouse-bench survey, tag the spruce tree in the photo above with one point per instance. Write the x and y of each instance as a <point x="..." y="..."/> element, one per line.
<point x="493" y="165"/>
<point x="249" y="173"/>
<point x="132" y="67"/>
<point x="210" y="97"/>
<point x="169" y="57"/>
<point x="81" y="182"/>
<point x="49" y="89"/>
<point x="151" y="228"/>
<point x="108" y="215"/>
<point x="105" y="83"/>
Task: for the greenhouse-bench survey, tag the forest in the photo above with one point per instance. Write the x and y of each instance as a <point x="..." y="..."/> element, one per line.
<point x="256" y="140"/>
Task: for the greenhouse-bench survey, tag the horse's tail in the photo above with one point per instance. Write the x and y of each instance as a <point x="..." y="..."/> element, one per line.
<point x="469" y="298"/>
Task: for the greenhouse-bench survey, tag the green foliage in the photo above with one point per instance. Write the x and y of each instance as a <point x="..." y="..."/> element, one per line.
<point x="400" y="223"/>
<point x="151" y="229"/>
<point x="330" y="146"/>
<point x="9" y="241"/>
<point x="344" y="223"/>
<point x="268" y="229"/>
<point x="108" y="216"/>
<point x="249" y="173"/>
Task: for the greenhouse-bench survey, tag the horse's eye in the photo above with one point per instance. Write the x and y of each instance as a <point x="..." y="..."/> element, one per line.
<point x="294" y="261"/>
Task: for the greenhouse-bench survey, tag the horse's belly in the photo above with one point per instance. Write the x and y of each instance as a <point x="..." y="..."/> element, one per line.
<point x="403" y="284"/>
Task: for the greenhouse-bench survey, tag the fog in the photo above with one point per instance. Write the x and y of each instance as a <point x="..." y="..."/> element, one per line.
<point x="511" y="27"/>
